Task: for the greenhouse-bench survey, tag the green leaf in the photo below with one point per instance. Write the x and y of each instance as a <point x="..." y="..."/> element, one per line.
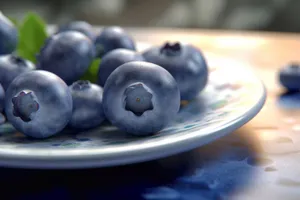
<point x="91" y="73"/>
<point x="32" y="36"/>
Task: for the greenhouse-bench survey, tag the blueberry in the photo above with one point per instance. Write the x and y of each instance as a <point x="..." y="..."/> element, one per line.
<point x="114" y="59"/>
<point x="113" y="38"/>
<point x="289" y="77"/>
<point x="186" y="64"/>
<point x="2" y="96"/>
<point x="11" y="66"/>
<point x="140" y="98"/>
<point x="87" y="105"/>
<point x="8" y="35"/>
<point x="38" y="104"/>
<point x="67" y="54"/>
<point x="80" y="26"/>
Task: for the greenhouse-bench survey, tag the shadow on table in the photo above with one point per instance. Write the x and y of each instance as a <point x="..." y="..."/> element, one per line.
<point x="213" y="171"/>
<point x="289" y="100"/>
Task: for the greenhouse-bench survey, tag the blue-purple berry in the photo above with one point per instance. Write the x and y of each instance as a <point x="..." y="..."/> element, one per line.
<point x="67" y="54"/>
<point x="141" y="98"/>
<point x="185" y="62"/>
<point x="113" y="60"/>
<point x="38" y="104"/>
<point x="87" y="105"/>
<point x="111" y="38"/>
<point x="8" y="35"/>
<point x="289" y="77"/>
<point x="12" y="66"/>
<point x="80" y="26"/>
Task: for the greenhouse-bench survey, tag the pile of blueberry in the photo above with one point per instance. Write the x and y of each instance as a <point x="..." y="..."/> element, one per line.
<point x="140" y="93"/>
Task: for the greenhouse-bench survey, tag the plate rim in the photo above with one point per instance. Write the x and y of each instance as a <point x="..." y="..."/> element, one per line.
<point x="95" y="161"/>
<point x="85" y="158"/>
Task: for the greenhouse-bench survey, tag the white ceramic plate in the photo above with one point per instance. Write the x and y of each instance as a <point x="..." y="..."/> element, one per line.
<point x="233" y="96"/>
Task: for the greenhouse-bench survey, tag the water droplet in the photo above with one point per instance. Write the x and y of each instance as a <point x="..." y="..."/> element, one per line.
<point x="284" y="140"/>
<point x="259" y="161"/>
<point x="270" y="169"/>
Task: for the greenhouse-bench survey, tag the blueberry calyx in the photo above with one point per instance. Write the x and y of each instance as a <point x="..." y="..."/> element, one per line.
<point x="171" y="49"/>
<point x="138" y="99"/>
<point x="81" y="85"/>
<point x="18" y="60"/>
<point x="24" y="105"/>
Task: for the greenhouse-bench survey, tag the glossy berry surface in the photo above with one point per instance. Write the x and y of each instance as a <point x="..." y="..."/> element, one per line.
<point x="8" y="35"/>
<point x="11" y="66"/>
<point x="87" y="105"/>
<point x="289" y="77"/>
<point x="112" y="38"/>
<point x="140" y="98"/>
<point x="2" y="97"/>
<point x="113" y="60"/>
<point x="80" y="26"/>
<point x="38" y="104"/>
<point x="67" y="54"/>
<point x="186" y="64"/>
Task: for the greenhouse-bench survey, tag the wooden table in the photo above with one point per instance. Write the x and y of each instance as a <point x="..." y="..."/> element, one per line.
<point x="273" y="136"/>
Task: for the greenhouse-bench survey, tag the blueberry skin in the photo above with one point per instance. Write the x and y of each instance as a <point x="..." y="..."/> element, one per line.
<point x="12" y="66"/>
<point x="8" y="35"/>
<point x="186" y="64"/>
<point x="87" y="105"/>
<point x="67" y="54"/>
<point x="113" y="60"/>
<point x="289" y="77"/>
<point x="38" y="104"/>
<point x="111" y="38"/>
<point x="80" y="26"/>
<point x="2" y="98"/>
<point x="140" y="98"/>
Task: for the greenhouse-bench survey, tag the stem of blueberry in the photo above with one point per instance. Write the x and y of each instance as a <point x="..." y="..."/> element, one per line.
<point x="25" y="104"/>
<point x="81" y="85"/>
<point x="171" y="49"/>
<point x="138" y="99"/>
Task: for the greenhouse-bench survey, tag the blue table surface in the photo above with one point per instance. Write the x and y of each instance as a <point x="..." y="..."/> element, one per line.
<point x="214" y="171"/>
